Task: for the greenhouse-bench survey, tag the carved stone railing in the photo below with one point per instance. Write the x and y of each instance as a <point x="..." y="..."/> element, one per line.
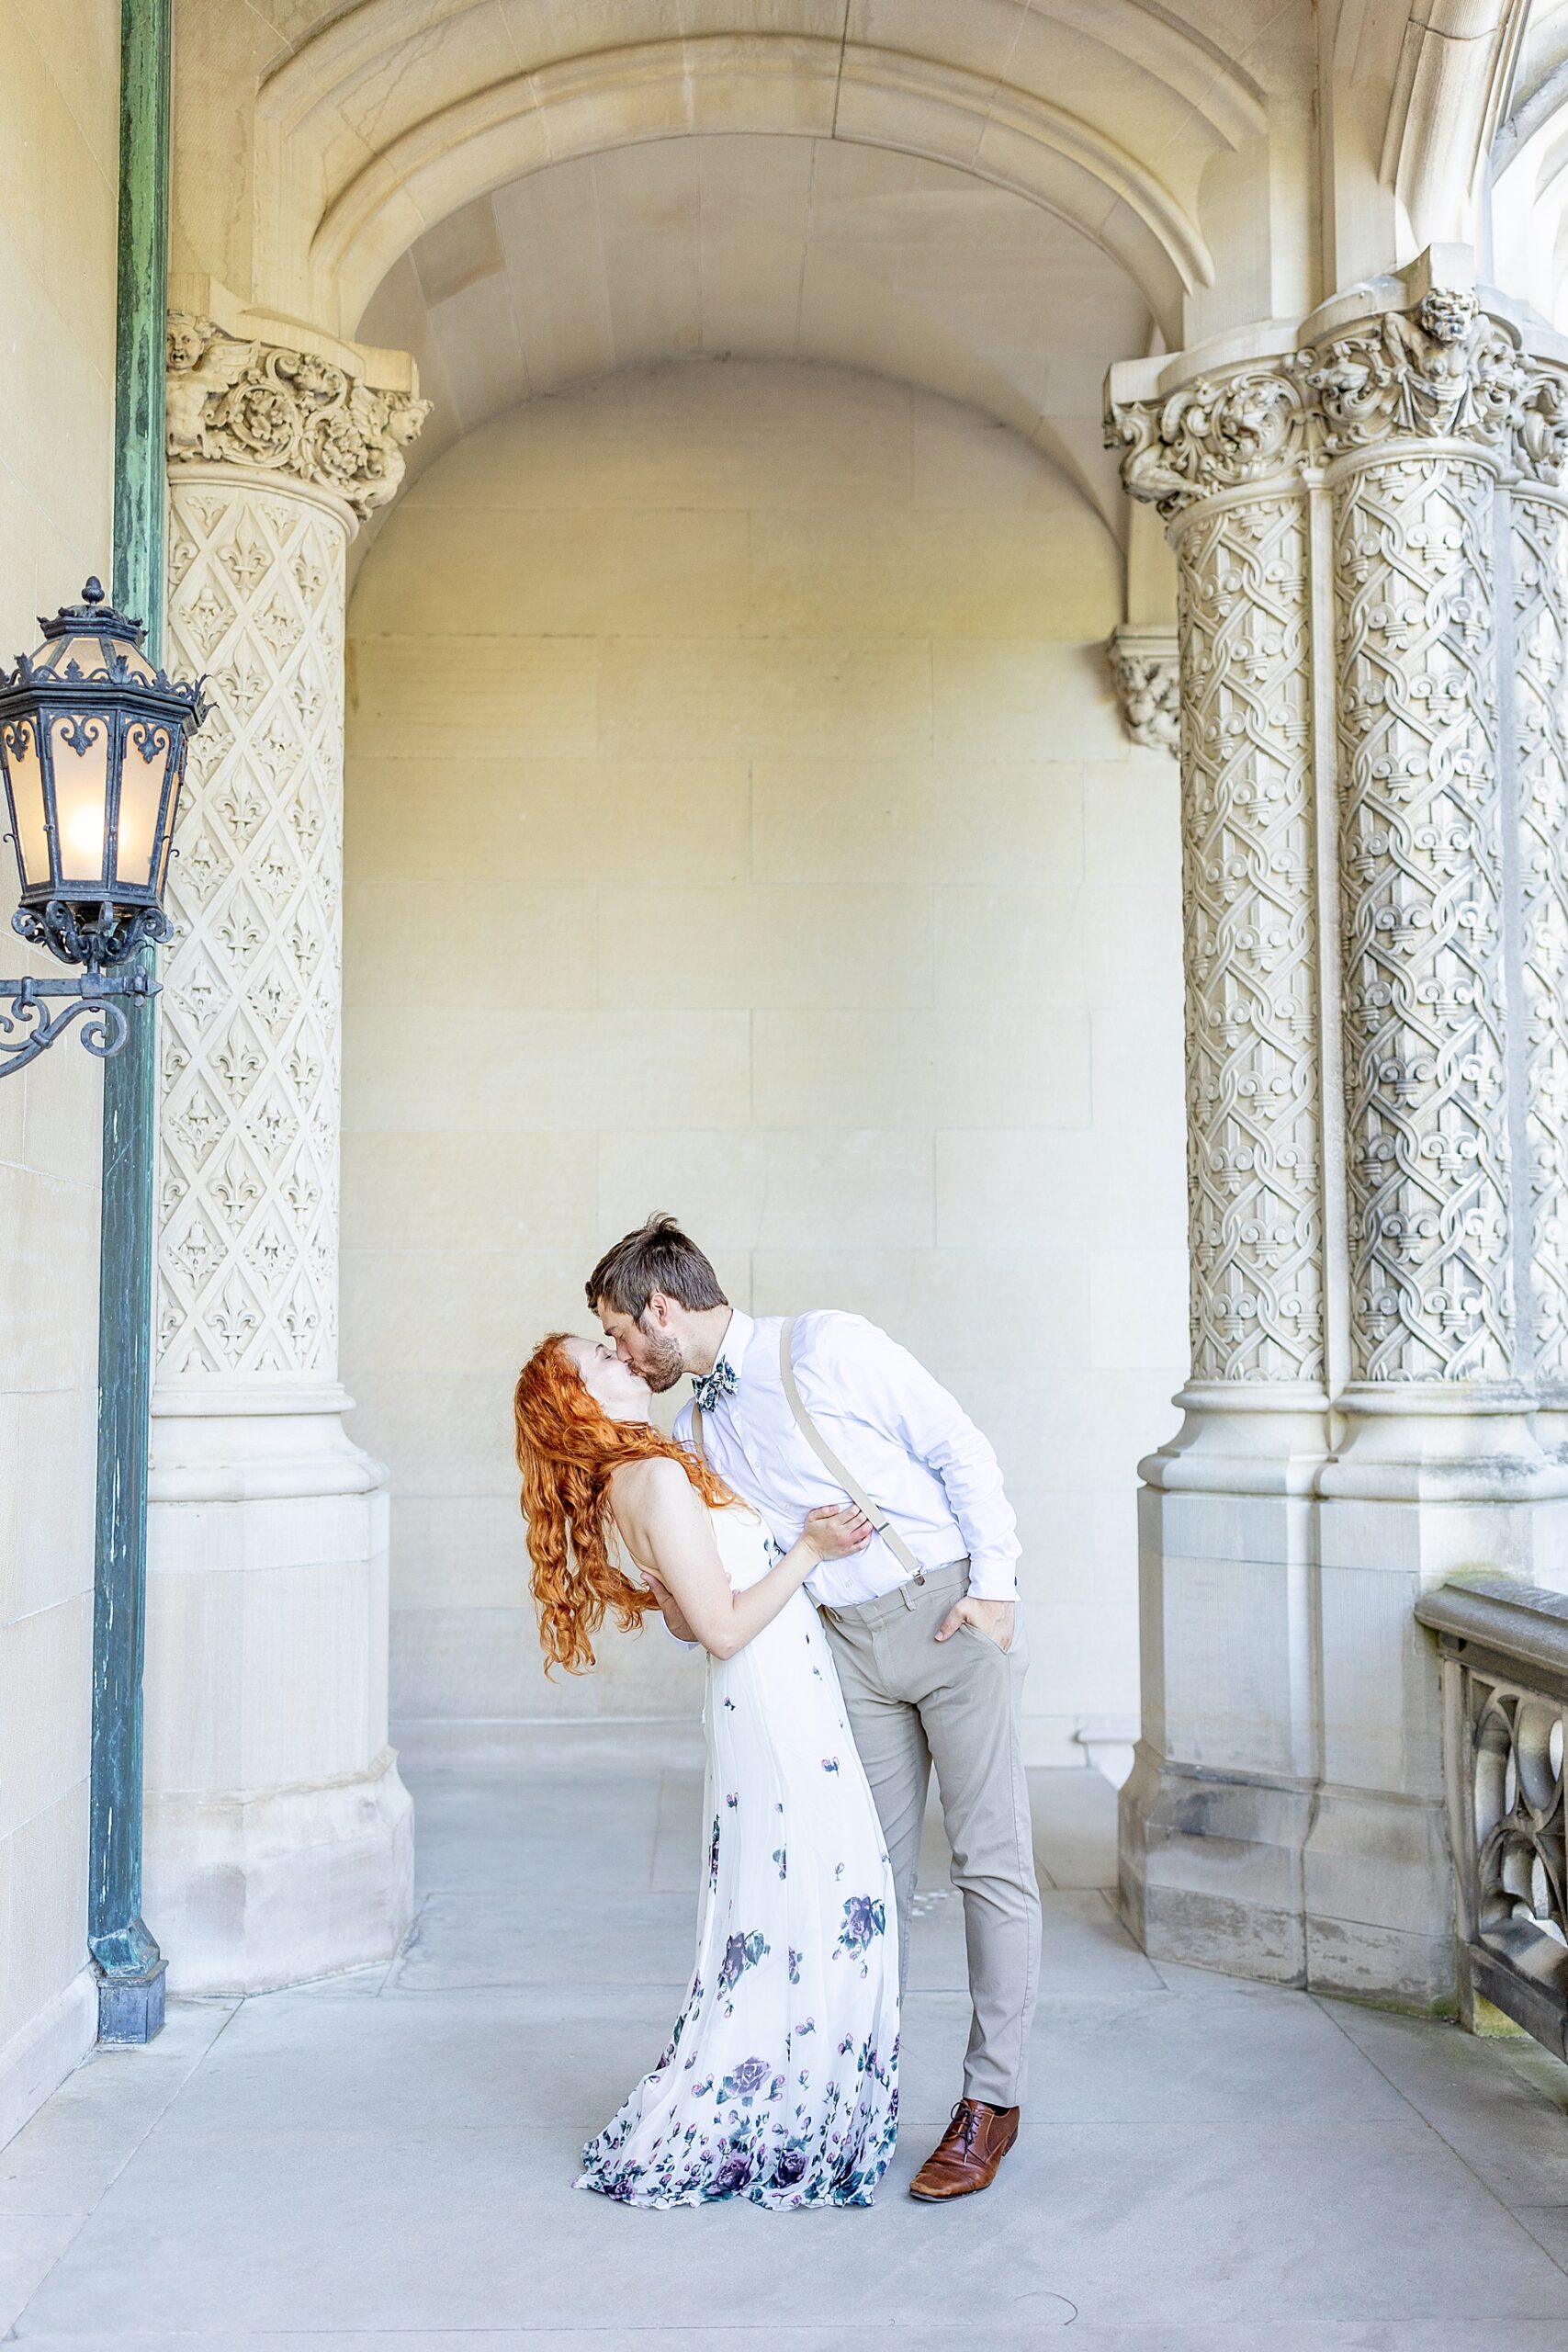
<point x="1504" y="1668"/>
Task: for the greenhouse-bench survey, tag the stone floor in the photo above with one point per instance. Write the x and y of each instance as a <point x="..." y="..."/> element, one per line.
<point x="383" y="2163"/>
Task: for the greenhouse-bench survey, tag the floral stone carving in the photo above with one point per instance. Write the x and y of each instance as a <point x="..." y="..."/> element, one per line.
<point x="261" y="405"/>
<point x="1146" y="675"/>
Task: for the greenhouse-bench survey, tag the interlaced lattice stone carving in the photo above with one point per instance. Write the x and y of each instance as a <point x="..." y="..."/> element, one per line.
<point x="1420" y="854"/>
<point x="1254" y="1115"/>
<point x="1420" y="817"/>
<point x="1539" y="548"/>
<point x="252" y="985"/>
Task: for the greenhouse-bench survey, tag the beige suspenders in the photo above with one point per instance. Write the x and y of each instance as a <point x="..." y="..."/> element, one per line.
<point x="826" y="1456"/>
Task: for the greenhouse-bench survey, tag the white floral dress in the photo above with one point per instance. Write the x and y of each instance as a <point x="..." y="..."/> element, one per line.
<point x="780" y="2081"/>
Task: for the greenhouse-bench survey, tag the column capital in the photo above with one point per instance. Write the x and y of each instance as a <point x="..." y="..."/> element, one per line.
<point x="288" y="412"/>
<point x="1217" y="433"/>
<point x="1370" y="366"/>
<point x="1443" y="369"/>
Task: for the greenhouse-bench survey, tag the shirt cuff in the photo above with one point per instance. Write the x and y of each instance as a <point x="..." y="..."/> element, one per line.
<point x="992" y="1580"/>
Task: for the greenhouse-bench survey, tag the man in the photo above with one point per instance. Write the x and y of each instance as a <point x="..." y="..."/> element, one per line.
<point x="924" y="1623"/>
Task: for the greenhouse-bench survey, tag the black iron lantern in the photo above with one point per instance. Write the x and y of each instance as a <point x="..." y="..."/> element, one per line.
<point x="92" y="743"/>
<point x="93" y="749"/>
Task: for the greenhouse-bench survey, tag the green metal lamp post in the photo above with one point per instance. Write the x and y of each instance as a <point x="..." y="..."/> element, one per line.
<point x="129" y="1966"/>
<point x="93" y="742"/>
<point x="93" y="856"/>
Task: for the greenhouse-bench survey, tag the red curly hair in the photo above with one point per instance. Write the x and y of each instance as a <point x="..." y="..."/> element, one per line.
<point x="566" y="1448"/>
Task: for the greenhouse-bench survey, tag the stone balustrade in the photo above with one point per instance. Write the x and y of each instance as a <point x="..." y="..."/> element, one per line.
<point x="1504" y="1674"/>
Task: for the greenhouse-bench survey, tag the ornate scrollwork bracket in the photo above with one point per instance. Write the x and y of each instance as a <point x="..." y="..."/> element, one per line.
<point x="27" y="1027"/>
<point x="1146" y="673"/>
<point x="93" y="936"/>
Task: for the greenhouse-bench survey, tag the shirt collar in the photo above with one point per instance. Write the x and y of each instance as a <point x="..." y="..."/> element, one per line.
<point x="736" y="1340"/>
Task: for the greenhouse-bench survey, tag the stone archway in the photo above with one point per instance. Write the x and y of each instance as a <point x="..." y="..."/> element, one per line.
<point x="768" y="747"/>
<point x="255" y="1486"/>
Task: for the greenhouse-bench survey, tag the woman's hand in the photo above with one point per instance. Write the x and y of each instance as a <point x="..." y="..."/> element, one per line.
<point x="669" y="1609"/>
<point x="833" y="1531"/>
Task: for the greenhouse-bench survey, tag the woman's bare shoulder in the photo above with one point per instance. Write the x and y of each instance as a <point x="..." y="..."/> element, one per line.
<point x="658" y="1485"/>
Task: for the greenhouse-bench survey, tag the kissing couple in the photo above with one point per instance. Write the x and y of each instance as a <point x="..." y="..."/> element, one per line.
<point x="817" y="1464"/>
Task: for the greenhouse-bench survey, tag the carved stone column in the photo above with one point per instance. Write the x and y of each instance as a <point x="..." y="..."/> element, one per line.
<point x="1438" y="1467"/>
<point x="1230" y="1754"/>
<point x="279" y="1837"/>
<point x="1399" y="615"/>
<point x="1538" y="683"/>
<point x="1413" y="413"/>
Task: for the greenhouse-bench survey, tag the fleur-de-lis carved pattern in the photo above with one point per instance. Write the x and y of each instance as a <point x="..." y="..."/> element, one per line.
<point x="252" y="1001"/>
<point x="1539" y="548"/>
<point x="1253" y="1122"/>
<point x="1390" y="406"/>
<point x="1431" y="1295"/>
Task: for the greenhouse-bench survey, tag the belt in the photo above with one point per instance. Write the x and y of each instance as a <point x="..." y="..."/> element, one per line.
<point x="905" y="1595"/>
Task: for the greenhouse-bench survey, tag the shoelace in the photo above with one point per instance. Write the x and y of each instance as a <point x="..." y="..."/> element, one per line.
<point x="968" y="2131"/>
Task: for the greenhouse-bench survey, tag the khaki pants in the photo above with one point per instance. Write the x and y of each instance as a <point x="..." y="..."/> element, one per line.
<point x="913" y="1701"/>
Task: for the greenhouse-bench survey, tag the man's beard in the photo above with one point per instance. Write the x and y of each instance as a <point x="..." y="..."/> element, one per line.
<point x="664" y="1360"/>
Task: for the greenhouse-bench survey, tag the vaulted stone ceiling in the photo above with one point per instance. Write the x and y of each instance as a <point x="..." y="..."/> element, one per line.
<point x="1237" y="159"/>
<point x="375" y="120"/>
<point x="994" y="197"/>
<point x="751" y="246"/>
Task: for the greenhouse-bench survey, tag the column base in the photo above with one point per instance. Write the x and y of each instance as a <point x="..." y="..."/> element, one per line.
<point x="1341" y="1891"/>
<point x="285" y="1885"/>
<point x="1422" y="1445"/>
<point x="1379" y="1900"/>
<point x="1210" y="1869"/>
<point x="1285" y="1818"/>
<point x="279" y="1838"/>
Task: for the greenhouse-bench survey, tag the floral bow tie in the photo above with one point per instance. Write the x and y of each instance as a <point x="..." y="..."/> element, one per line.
<point x="722" y="1381"/>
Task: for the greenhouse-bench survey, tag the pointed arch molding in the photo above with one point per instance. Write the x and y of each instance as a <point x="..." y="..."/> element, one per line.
<point x="805" y="84"/>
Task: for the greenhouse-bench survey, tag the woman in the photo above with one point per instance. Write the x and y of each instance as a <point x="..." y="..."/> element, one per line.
<point x="779" y="2082"/>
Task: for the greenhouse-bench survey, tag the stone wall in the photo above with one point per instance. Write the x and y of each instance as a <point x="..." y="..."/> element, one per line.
<point x="738" y="823"/>
<point x="59" y="133"/>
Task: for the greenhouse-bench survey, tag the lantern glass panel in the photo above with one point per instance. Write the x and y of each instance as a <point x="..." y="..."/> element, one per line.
<point x="91" y="655"/>
<point x="149" y="749"/>
<point x="79" y="744"/>
<point x="24" y="772"/>
<point x="177" y="762"/>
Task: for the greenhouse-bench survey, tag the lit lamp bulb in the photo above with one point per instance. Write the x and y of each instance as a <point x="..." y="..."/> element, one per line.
<point x="82" y="842"/>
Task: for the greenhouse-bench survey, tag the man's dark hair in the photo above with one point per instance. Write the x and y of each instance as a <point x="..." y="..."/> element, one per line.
<point x="658" y="1256"/>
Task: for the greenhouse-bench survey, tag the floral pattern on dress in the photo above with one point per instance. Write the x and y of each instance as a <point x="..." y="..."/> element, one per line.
<point x="730" y="2110"/>
<point x="740" y="1953"/>
<point x="863" y="1918"/>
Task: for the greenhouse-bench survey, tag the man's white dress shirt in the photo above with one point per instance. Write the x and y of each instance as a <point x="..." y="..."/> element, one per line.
<point x="911" y="1446"/>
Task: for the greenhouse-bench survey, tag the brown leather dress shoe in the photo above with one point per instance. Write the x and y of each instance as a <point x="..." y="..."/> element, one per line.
<point x="969" y="2153"/>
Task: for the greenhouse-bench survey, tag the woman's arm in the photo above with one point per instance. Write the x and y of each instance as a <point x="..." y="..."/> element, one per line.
<point x="675" y="1625"/>
<point x="668" y="1532"/>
